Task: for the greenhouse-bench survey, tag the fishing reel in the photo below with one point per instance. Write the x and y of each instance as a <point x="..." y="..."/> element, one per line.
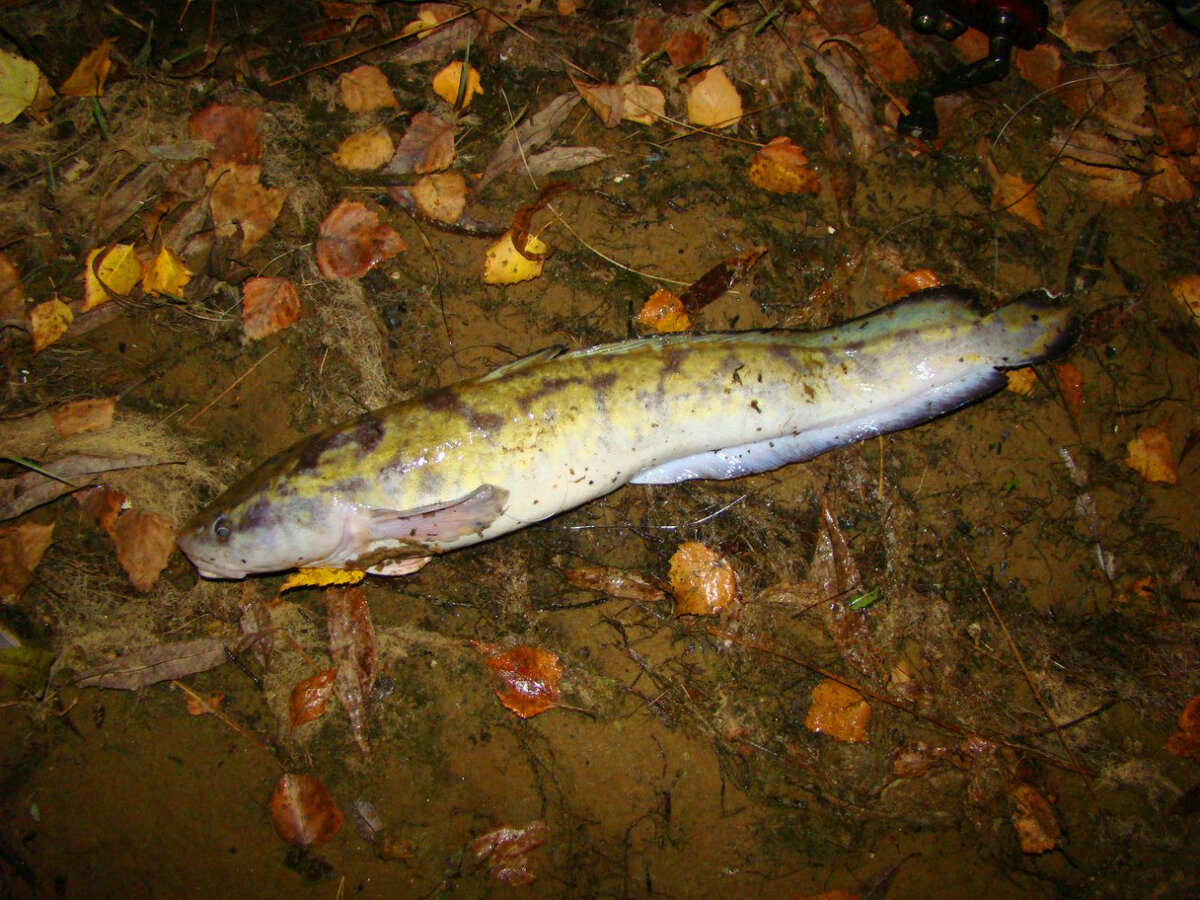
<point x="1007" y="24"/>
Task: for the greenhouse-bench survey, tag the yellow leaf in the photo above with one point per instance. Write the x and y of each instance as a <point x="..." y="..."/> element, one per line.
<point x="702" y="581"/>
<point x="441" y="196"/>
<point x="321" y="578"/>
<point x="504" y="265"/>
<point x="1017" y="197"/>
<point x="1021" y="381"/>
<point x="447" y="81"/>
<point x="838" y="711"/>
<point x="88" y="78"/>
<point x="18" y="85"/>
<point x="1186" y="290"/>
<point x="644" y="104"/>
<point x="49" y="321"/>
<point x="782" y="168"/>
<point x="713" y="101"/>
<point x="365" y="151"/>
<point x="663" y="313"/>
<point x="1150" y="455"/>
<point x="166" y="275"/>
<point x="115" y="268"/>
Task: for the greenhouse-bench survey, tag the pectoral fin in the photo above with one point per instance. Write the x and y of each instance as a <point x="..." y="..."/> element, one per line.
<point x="440" y="523"/>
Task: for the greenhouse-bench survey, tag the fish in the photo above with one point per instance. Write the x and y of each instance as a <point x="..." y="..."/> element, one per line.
<point x="389" y="490"/>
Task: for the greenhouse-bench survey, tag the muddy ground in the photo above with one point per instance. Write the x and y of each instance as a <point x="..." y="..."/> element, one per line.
<point x="1032" y="640"/>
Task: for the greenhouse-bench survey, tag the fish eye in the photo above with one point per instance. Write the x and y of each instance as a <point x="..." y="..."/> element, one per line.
<point x="223" y="528"/>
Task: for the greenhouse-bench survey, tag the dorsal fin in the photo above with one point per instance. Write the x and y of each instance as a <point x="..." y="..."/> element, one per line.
<point x="533" y="359"/>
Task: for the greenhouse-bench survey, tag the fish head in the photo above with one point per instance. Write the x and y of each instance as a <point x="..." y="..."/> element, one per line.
<point x="267" y="523"/>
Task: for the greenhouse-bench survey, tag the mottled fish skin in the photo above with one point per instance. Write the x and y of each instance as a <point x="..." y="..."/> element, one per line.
<point x="487" y="456"/>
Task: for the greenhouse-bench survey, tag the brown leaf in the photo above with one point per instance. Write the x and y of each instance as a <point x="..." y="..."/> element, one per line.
<point x="268" y="305"/>
<point x="614" y="582"/>
<point x="354" y="650"/>
<point x="163" y="662"/>
<point x="687" y="47"/>
<point x="232" y="130"/>
<point x="1186" y="291"/>
<point x="1015" y="195"/>
<point x="531" y="677"/>
<point x="427" y="146"/>
<point x="719" y="279"/>
<point x="101" y="504"/>
<point x="12" y="291"/>
<point x="239" y="200"/>
<point x="1096" y="25"/>
<point x="1070" y="388"/>
<point x="144" y="542"/>
<point x="647" y="34"/>
<point x="90" y="74"/>
<point x="21" y="494"/>
<point x="351" y="241"/>
<point x="529" y="135"/>
<point x="1041" y="66"/>
<point x="887" y="54"/>
<point x="21" y="549"/>
<point x="1150" y="455"/>
<point x="1185" y="741"/>
<point x="48" y="322"/>
<point x="441" y="196"/>
<point x="1037" y="827"/>
<point x="507" y="852"/>
<point x="309" y="697"/>
<point x="365" y="151"/>
<point x="366" y="89"/>
<point x="1178" y="127"/>
<point x="782" y="168"/>
<point x="663" y="313"/>
<point x="838" y="711"/>
<point x="702" y="581"/>
<point x="303" y="812"/>
<point x="563" y="159"/>
<point x="204" y="704"/>
<point x="712" y="100"/>
<point x="83" y="416"/>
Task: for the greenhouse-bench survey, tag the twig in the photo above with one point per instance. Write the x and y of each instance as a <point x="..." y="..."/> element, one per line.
<point x="209" y="708"/>
<point x="236" y="382"/>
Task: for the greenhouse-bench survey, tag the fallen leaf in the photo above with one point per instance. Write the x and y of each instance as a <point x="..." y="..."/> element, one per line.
<point x="685" y="48"/>
<point x="351" y="241"/>
<point x="1041" y="66"/>
<point x="232" y="131"/>
<point x="303" y="811"/>
<point x="530" y="134"/>
<point x="366" y="89"/>
<point x="663" y="313"/>
<point x="21" y="549"/>
<point x="162" y="662"/>
<point x="507" y="852"/>
<point x="88" y="78"/>
<point x="1186" y="291"/>
<point x="427" y="146"/>
<point x="562" y="159"/>
<point x="448" y="83"/>
<point x="1037" y="827"/>
<point x="112" y="270"/>
<point x="887" y="54"/>
<point x="1150" y="455"/>
<point x="268" y="305"/>
<point x="644" y="104"/>
<point x="782" y="168"/>
<point x="606" y="100"/>
<point x="355" y="651"/>
<point x="1169" y="183"/>
<point x="1021" y="381"/>
<point x="614" y="582"/>
<point x="48" y="322"/>
<point x="1095" y="25"/>
<point x="1070" y="387"/>
<point x="713" y="101"/>
<point x="239" y="200"/>
<point x="321" y="578"/>
<point x="530" y="675"/>
<point x="101" y="504"/>
<point x="1178" y="127"/>
<point x="23" y="493"/>
<point x="648" y="34"/>
<point x="503" y="264"/>
<point x="12" y="291"/>
<point x="204" y="704"/>
<point x="83" y="416"/>
<point x="702" y="581"/>
<point x="838" y="711"/>
<point x="916" y="280"/>
<point x="144" y="542"/>
<point x="26" y="667"/>
<point x="441" y="196"/>
<point x="1015" y="195"/>
<point x="309" y="698"/>
<point x="1185" y="741"/>
<point x="166" y="275"/>
<point x="719" y="279"/>
<point x="365" y="151"/>
<point x="18" y="85"/>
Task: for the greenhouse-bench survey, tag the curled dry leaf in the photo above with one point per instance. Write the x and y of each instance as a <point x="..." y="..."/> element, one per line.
<point x="144" y="542"/>
<point x="1186" y="291"/>
<point x="351" y="241"/>
<point x="239" y="200"/>
<point x="448" y="84"/>
<point x="48" y="322"/>
<point x="441" y="196"/>
<point x="112" y="270"/>
<point x="713" y="101"/>
<point x="782" y="168"/>
<point x="90" y="74"/>
<point x="309" y="697"/>
<point x="163" y="662"/>
<point x="504" y="264"/>
<point x="507" y="852"/>
<point x="21" y="549"/>
<point x="303" y="811"/>
<point x="365" y="151"/>
<point x="838" y="711"/>
<point x="1150" y="455"/>
<point x="268" y="305"/>
<point x="366" y="89"/>
<point x="663" y="313"/>
<point x="1037" y="827"/>
<point x="427" y="146"/>
<point x="606" y="100"/>
<point x="702" y="581"/>
<point x="644" y="104"/>
<point x="232" y="131"/>
<point x="25" y="492"/>
<point x="1186" y="739"/>
<point x="614" y="582"/>
<point x="84" y="416"/>
<point x="531" y="677"/>
<point x="102" y="505"/>
<point x="166" y="275"/>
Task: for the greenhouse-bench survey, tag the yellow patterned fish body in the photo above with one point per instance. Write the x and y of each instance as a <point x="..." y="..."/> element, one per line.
<point x="545" y="434"/>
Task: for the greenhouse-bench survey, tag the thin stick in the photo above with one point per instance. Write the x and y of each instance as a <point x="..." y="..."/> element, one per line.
<point x="209" y="708"/>
<point x="236" y="382"/>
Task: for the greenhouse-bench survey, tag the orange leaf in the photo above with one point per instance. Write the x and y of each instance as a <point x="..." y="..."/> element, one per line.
<point x="1186" y="739"/>
<point x="88" y="78"/>
<point x="1186" y="290"/>
<point x="144" y="542"/>
<point x="48" y="322"/>
<point x="713" y="101"/>
<point x="366" y="89"/>
<point x="1037" y="827"/>
<point x="531" y="677"/>
<point x="782" y="168"/>
<point x="1095" y="25"/>
<point x="268" y="305"/>
<point x="1021" y="381"/>
<point x="686" y="47"/>
<point x="887" y="54"/>
<point x="663" y="313"/>
<point x="448" y="81"/>
<point x="838" y="711"/>
<point x="365" y="151"/>
<point x="82" y="416"/>
<point x="647" y="34"/>
<point x="21" y="549"/>
<point x="303" y="812"/>
<point x="1150" y="455"/>
<point x="1014" y="195"/>
<point x="239" y="200"/>
<point x="309" y="697"/>
<point x="102" y="505"/>
<point x="427" y="146"/>
<point x="203" y="705"/>
<point x="916" y="280"/>
<point x="442" y="196"/>
<point x="703" y="582"/>
<point x="232" y="130"/>
<point x="1070" y="387"/>
<point x="351" y="241"/>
